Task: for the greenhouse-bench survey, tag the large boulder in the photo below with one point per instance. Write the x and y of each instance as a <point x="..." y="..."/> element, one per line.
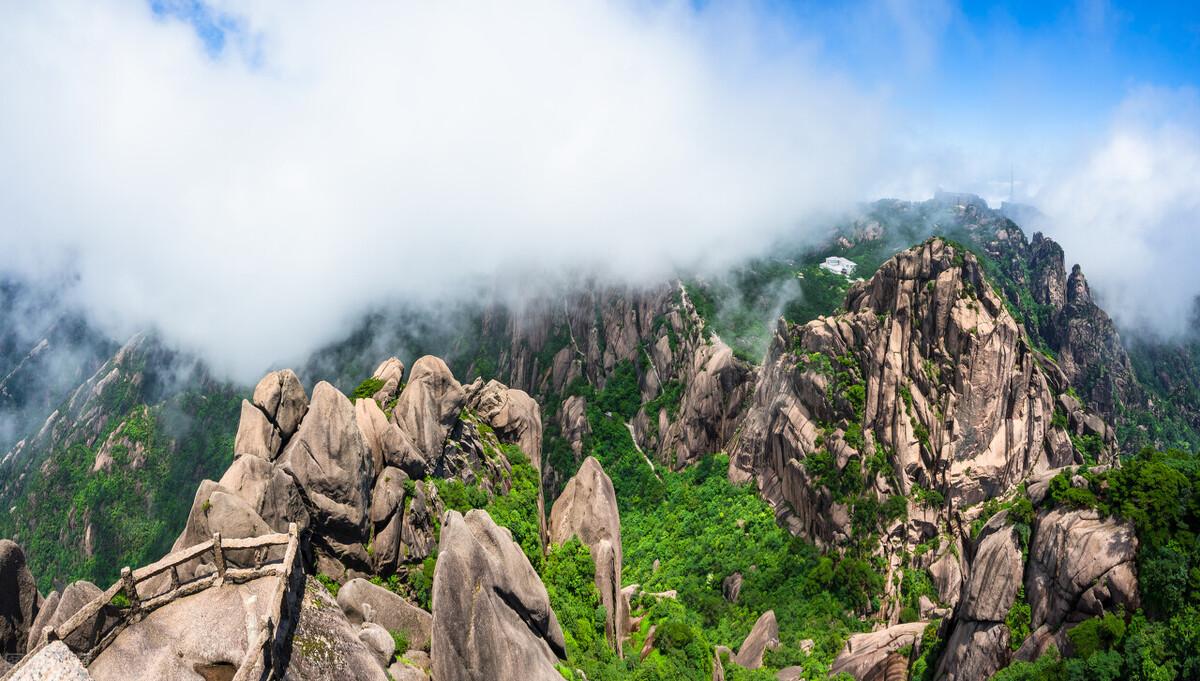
<point x="513" y="414"/>
<point x="429" y="405"/>
<point x="256" y="435"/>
<point x="74" y="596"/>
<point x="216" y="508"/>
<point x="281" y="397"/>
<point x="49" y="606"/>
<point x="325" y="646"/>
<point x="587" y="508"/>
<point x="1080" y="565"/>
<point x="19" y="599"/>
<point x="391" y="372"/>
<point x="975" y="650"/>
<point x="329" y="459"/>
<point x="995" y="574"/>
<point x="270" y="491"/>
<point x="55" y="661"/>
<point x="491" y="614"/>
<point x="865" y="656"/>
<point x="363" y="601"/>
<point x="208" y="633"/>
<point x="389" y="446"/>
<point x="763" y="635"/>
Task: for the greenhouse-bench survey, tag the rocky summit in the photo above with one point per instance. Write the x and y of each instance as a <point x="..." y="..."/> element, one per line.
<point x="951" y="468"/>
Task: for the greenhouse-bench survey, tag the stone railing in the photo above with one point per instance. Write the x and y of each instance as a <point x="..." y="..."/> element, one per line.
<point x="90" y="630"/>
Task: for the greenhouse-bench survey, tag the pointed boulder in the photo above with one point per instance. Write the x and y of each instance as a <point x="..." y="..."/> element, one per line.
<point x="491" y="614"/>
<point x="587" y="509"/>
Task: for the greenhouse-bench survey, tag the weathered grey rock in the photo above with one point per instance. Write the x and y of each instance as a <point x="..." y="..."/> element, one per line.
<point x="206" y="634"/>
<point x="391" y="372"/>
<point x="513" y="414"/>
<point x="387" y="498"/>
<point x="429" y="405"/>
<point x="379" y="642"/>
<point x="19" y="599"/>
<point x="281" y="397"/>
<point x="865" y="656"/>
<point x="389" y="446"/>
<point x="325" y="646"/>
<point x="404" y="672"/>
<point x="491" y="614"/>
<point x="219" y="509"/>
<point x="74" y="596"/>
<point x="1078" y="560"/>
<point x="996" y="575"/>
<point x="45" y="613"/>
<point x="731" y="587"/>
<point x="387" y="609"/>
<point x="975" y="650"/>
<point x="270" y="491"/>
<point x="256" y="435"/>
<point x="329" y="459"/>
<point x="764" y="635"/>
<point x="793" y="673"/>
<point x="947" y="577"/>
<point x="55" y="662"/>
<point x="587" y="509"/>
<point x="416" y="528"/>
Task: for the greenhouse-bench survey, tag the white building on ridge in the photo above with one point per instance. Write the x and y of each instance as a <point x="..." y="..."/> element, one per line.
<point x="839" y="265"/>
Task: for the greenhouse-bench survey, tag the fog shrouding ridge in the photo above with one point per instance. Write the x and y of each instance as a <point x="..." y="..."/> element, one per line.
<point x="251" y="196"/>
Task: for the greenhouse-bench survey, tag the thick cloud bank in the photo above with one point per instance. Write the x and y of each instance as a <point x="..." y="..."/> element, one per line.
<point x="251" y="199"/>
<point x="1129" y="211"/>
<point x="249" y="177"/>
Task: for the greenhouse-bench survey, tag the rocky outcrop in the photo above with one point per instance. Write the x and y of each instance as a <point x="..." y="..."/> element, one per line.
<point x="55" y="661"/>
<point x="325" y="646"/>
<point x="763" y="635"/>
<point x="429" y="406"/>
<point x="391" y="373"/>
<point x="59" y="608"/>
<point x="1080" y="566"/>
<point x="975" y="650"/>
<point x="587" y="509"/>
<point x="363" y="601"/>
<point x="207" y="633"/>
<point x="329" y="459"/>
<point x="491" y="614"/>
<point x="927" y="367"/>
<point x="267" y="423"/>
<point x="268" y="490"/>
<point x="865" y="656"/>
<point x="20" y="601"/>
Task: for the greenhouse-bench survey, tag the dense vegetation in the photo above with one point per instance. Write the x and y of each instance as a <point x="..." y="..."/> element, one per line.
<point x="129" y="512"/>
<point x="1160" y="493"/>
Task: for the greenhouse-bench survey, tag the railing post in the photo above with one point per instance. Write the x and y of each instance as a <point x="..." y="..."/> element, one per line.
<point x="219" y="557"/>
<point x="130" y="588"/>
<point x="174" y="578"/>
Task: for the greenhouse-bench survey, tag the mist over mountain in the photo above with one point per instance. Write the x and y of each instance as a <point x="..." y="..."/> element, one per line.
<point x="281" y="172"/>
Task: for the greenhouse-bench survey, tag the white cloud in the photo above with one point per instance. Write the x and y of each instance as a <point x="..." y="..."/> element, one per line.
<point x="337" y="155"/>
<point x="1128" y="210"/>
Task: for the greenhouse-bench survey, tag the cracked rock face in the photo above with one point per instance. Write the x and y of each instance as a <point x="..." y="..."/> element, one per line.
<point x="1080" y="566"/>
<point x="865" y="656"/>
<point x="329" y="459"/>
<point x="587" y="509"/>
<point x="491" y="614"/>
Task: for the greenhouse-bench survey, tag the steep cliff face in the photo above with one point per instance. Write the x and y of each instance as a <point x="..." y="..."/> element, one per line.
<point x="690" y="384"/>
<point x="97" y="484"/>
<point x="926" y="383"/>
